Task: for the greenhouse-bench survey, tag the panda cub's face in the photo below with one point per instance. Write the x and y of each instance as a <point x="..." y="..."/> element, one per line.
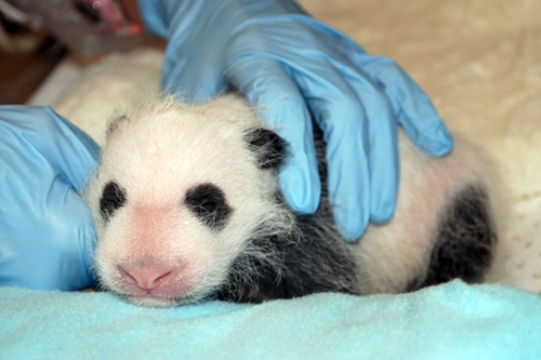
<point x="179" y="193"/>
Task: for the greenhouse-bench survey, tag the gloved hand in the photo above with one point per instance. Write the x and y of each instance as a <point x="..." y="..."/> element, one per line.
<point x="46" y="233"/>
<point x="292" y="66"/>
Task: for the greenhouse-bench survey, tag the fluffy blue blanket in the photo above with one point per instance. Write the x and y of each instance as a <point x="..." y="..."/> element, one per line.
<point x="452" y="321"/>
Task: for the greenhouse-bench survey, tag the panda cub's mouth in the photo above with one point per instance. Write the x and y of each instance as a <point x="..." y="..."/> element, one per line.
<point x="156" y="298"/>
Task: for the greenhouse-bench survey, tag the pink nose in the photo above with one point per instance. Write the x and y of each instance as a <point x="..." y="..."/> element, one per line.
<point x="146" y="278"/>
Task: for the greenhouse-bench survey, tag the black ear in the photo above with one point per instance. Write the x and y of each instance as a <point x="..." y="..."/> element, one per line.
<point x="270" y="148"/>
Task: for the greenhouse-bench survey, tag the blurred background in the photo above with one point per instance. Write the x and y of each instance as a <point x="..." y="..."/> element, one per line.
<point x="26" y="58"/>
<point x="36" y="35"/>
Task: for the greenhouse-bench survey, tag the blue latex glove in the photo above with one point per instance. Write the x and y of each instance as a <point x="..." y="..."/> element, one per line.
<point x="292" y="66"/>
<point x="46" y="233"/>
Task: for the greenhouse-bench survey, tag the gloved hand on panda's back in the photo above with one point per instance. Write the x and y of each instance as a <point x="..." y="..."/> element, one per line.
<point x="291" y="67"/>
<point x="46" y="233"/>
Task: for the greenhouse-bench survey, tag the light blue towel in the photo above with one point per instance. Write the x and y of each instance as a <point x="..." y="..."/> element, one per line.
<point x="452" y="321"/>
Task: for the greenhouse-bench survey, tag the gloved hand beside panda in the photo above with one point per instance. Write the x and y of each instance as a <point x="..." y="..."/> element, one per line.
<point x="291" y="68"/>
<point x="46" y="233"/>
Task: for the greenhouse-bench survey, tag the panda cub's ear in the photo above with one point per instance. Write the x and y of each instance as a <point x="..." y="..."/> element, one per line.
<point x="113" y="125"/>
<point x="270" y="149"/>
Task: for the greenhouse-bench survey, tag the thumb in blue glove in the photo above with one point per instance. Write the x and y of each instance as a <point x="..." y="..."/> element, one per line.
<point x="46" y="233"/>
<point x="292" y="67"/>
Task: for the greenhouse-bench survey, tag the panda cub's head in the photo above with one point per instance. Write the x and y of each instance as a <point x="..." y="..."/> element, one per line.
<point x="180" y="192"/>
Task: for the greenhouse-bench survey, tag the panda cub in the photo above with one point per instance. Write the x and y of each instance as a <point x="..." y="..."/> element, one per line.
<point x="186" y="206"/>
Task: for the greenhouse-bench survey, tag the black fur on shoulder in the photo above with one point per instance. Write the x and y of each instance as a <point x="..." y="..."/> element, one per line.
<point x="310" y="259"/>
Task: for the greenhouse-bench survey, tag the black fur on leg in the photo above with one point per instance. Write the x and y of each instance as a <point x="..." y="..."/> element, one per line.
<point x="465" y="240"/>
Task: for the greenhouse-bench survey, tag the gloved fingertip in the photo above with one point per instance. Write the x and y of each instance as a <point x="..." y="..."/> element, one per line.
<point x="437" y="144"/>
<point x="351" y="227"/>
<point x="353" y="232"/>
<point x="383" y="214"/>
<point x="383" y="208"/>
<point x="299" y="200"/>
<point x="301" y="193"/>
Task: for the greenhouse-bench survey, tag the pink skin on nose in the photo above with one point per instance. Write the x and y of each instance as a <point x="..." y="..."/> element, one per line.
<point x="146" y="278"/>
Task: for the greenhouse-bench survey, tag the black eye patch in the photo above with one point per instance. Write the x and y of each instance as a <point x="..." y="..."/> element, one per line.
<point x="208" y="203"/>
<point x="113" y="197"/>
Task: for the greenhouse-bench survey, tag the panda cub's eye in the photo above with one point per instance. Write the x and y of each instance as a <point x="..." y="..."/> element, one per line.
<point x="208" y="203"/>
<point x="113" y="197"/>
